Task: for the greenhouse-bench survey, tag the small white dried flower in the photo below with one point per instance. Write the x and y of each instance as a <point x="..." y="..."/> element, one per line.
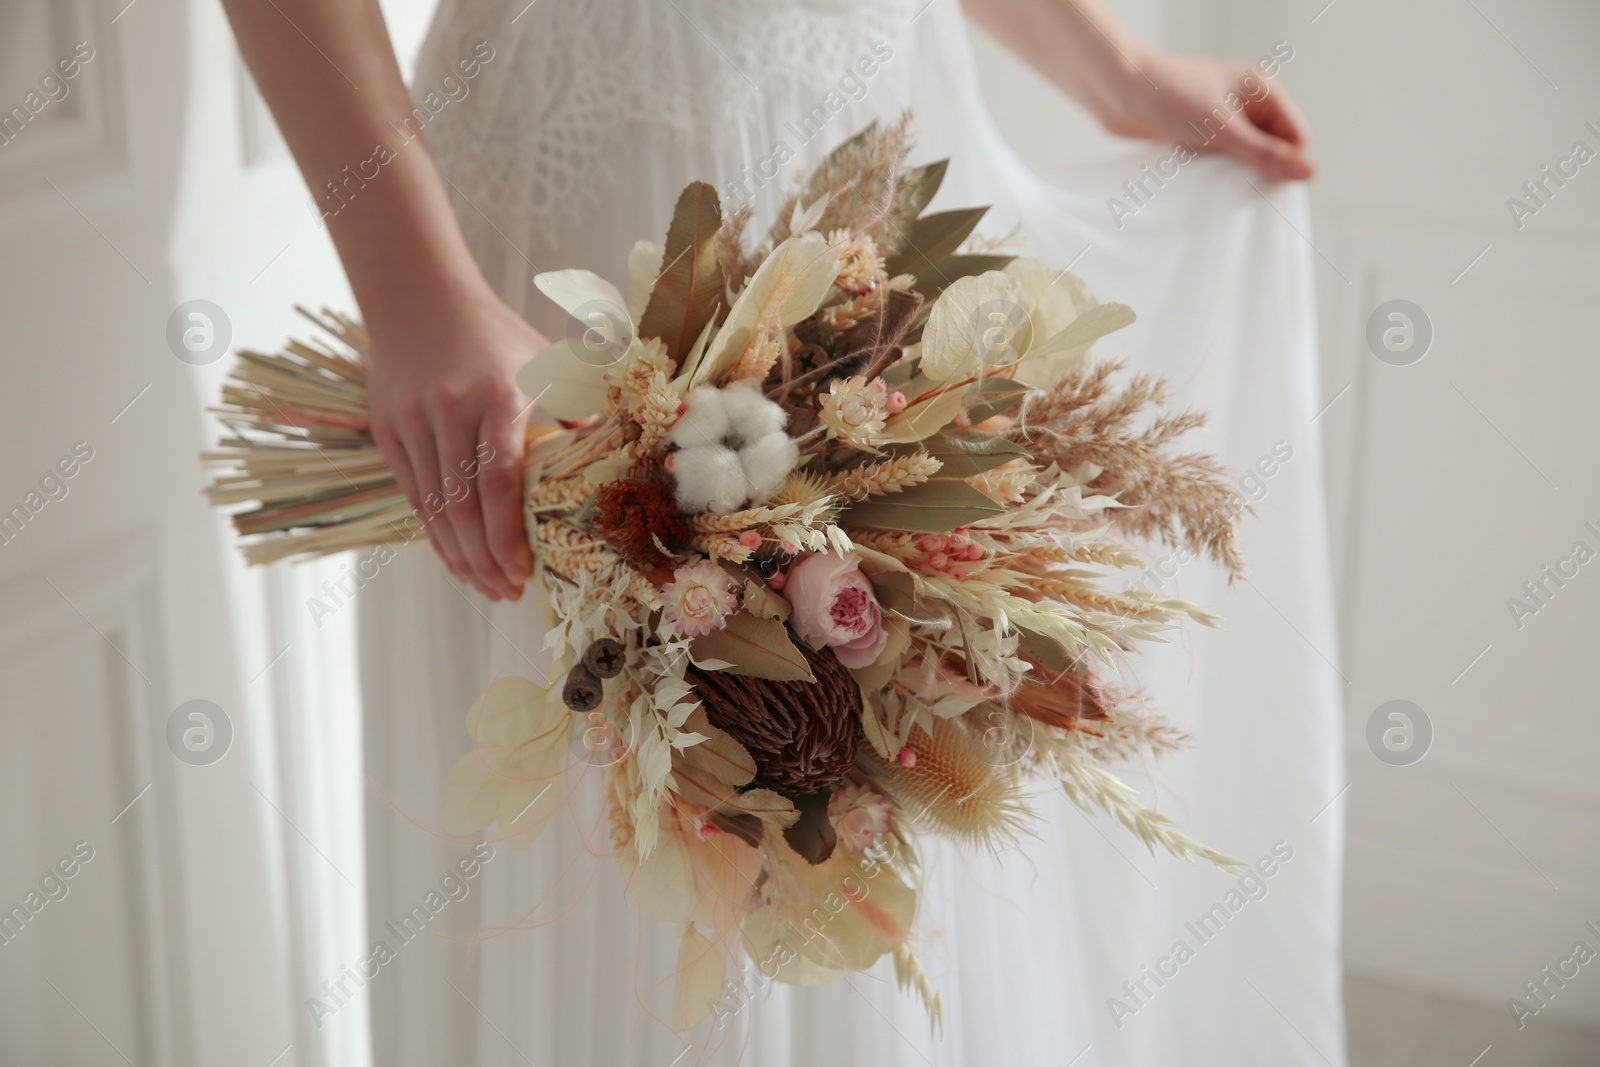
<point x="855" y="410"/>
<point x="861" y="268"/>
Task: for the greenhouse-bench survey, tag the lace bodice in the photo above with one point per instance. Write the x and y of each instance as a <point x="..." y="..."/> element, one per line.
<point x="577" y="95"/>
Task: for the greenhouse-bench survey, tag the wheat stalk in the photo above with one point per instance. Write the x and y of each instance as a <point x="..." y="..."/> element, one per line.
<point x="889" y="476"/>
<point x="1091" y="787"/>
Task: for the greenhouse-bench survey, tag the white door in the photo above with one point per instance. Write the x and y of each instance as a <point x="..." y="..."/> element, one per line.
<point x="144" y="863"/>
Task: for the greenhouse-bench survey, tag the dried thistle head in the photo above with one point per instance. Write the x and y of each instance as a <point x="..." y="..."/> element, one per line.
<point x="951" y="785"/>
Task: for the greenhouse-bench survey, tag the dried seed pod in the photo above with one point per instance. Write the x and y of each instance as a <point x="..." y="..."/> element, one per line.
<point x="582" y="691"/>
<point x="604" y="658"/>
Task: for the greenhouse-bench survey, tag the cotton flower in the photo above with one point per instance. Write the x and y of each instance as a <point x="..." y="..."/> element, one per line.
<point x="835" y="606"/>
<point x="854" y="409"/>
<point x="860" y="816"/>
<point x="699" y="598"/>
<point x="732" y="450"/>
<point x="861" y="269"/>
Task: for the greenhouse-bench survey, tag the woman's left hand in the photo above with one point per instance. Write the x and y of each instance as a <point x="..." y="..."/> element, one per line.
<point x="1211" y="106"/>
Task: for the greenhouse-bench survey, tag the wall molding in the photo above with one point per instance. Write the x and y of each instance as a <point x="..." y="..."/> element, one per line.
<point x="114" y="588"/>
<point x="85" y="134"/>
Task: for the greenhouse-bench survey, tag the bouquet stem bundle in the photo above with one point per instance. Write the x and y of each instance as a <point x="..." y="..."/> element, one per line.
<point x="300" y="446"/>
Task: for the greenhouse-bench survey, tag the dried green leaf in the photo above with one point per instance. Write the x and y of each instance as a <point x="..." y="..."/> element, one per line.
<point x="1051" y="655"/>
<point x="932" y="238"/>
<point x="757" y="648"/>
<point x="1087" y="328"/>
<point x="718" y="754"/>
<point x="926" y="416"/>
<point x="952" y="269"/>
<point x="936" y="506"/>
<point x="996" y="396"/>
<point x="965" y="452"/>
<point x="916" y="186"/>
<point x="685" y="295"/>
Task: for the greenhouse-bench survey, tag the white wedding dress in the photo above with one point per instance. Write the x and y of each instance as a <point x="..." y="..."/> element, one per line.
<point x="573" y="142"/>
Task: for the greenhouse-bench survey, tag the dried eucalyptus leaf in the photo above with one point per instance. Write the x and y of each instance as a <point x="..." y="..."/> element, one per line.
<point x="758" y="648"/>
<point x="936" y="506"/>
<point x="933" y="237"/>
<point x="965" y="452"/>
<point x="689" y="288"/>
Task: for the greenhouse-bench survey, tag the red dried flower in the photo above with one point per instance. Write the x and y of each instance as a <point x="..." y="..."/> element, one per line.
<point x="633" y="513"/>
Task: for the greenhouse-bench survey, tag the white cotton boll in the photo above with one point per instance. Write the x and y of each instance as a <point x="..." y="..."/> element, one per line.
<point x="706" y="421"/>
<point x="750" y="415"/>
<point x="709" y="479"/>
<point x="767" y="462"/>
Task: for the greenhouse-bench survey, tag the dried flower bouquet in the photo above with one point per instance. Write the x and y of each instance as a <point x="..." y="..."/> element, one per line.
<point x="827" y="536"/>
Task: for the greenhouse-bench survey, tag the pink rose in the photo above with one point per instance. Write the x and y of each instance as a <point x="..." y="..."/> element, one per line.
<point x="834" y="605"/>
<point x="860" y="816"/>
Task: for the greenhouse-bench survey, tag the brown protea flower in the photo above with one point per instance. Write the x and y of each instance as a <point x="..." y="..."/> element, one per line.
<point x="802" y="735"/>
<point x="634" y="513"/>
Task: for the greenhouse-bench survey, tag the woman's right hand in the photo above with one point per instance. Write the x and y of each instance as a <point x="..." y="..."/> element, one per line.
<point x="448" y="415"/>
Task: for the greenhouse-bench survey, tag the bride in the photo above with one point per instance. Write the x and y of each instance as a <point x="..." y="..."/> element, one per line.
<point x="555" y="133"/>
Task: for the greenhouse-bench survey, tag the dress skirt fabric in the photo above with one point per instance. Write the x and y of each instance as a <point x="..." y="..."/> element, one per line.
<point x="571" y="143"/>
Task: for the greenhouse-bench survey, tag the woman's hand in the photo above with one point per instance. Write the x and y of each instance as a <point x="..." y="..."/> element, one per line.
<point x="1192" y="102"/>
<point x="1137" y="91"/>
<point x="445" y="350"/>
<point x="448" y="415"/>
